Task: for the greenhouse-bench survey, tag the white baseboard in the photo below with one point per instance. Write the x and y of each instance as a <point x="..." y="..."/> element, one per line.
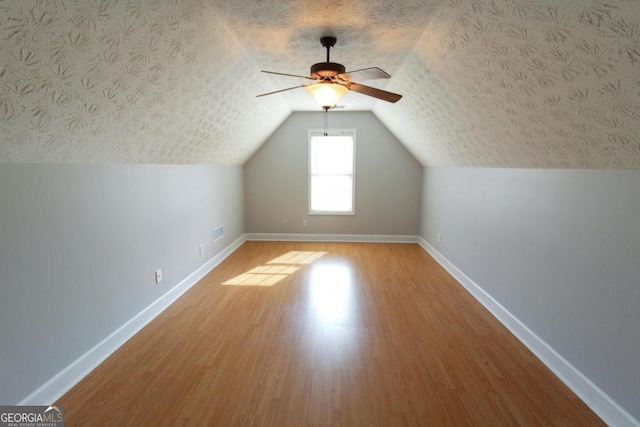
<point x="59" y="384"/>
<point x="358" y="238"/>
<point x="605" y="407"/>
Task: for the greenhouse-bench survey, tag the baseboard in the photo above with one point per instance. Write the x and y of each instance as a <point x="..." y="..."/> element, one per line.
<point x="58" y="385"/>
<point x="605" y="407"/>
<point x="358" y="238"/>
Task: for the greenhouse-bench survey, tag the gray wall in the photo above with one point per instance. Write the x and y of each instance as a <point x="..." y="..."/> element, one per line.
<point x="388" y="181"/>
<point x="79" y="245"/>
<point x="560" y="250"/>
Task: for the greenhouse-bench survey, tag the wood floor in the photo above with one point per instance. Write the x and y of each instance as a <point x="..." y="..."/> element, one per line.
<point x="324" y="334"/>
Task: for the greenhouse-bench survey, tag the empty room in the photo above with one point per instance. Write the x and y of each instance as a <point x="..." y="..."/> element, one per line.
<point x="278" y="213"/>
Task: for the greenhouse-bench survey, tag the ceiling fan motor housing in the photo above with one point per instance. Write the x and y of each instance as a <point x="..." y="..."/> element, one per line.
<point x="323" y="70"/>
<point x="326" y="70"/>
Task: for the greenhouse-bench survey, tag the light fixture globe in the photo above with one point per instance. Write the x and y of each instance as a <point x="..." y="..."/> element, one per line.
<point x="327" y="94"/>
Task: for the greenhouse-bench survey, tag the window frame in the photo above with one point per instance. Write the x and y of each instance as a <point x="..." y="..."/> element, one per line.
<point x="333" y="132"/>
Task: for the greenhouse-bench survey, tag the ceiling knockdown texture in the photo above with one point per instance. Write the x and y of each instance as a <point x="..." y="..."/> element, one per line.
<point x="284" y="36"/>
<point x="115" y="81"/>
<point x="512" y="83"/>
<point x="497" y="83"/>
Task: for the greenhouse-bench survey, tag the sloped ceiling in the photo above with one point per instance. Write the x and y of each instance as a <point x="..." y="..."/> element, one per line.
<point x="513" y="83"/>
<point x="128" y="81"/>
<point x="517" y="83"/>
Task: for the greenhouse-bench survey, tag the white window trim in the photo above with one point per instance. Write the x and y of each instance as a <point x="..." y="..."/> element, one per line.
<point x="332" y="132"/>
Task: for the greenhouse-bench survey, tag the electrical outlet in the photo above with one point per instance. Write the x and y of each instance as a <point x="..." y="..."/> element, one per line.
<point x="158" y="275"/>
<point x="201" y="249"/>
<point x="304" y="222"/>
<point x="284" y="221"/>
<point x="439" y="238"/>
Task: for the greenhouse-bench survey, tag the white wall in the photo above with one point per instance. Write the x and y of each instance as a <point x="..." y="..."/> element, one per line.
<point x="560" y="250"/>
<point x="388" y="181"/>
<point x="79" y="245"/>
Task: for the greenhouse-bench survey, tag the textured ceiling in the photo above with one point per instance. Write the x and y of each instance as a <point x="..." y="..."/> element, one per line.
<point x="500" y="83"/>
<point x="115" y="81"/>
<point x="512" y="83"/>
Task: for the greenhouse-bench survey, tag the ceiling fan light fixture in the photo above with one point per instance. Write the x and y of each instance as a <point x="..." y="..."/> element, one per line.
<point x="332" y="82"/>
<point x="327" y="94"/>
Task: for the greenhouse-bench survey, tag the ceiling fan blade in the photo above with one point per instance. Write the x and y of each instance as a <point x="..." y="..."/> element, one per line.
<point x="371" y="73"/>
<point x="281" y="90"/>
<point x="376" y="93"/>
<point x="285" y="74"/>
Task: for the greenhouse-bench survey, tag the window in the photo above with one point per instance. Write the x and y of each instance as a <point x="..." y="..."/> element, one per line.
<point x="332" y="172"/>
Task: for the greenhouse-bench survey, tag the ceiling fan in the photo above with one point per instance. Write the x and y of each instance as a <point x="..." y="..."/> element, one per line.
<point x="332" y="82"/>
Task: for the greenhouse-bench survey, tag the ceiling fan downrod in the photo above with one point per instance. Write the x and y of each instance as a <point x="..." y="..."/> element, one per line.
<point x="327" y="70"/>
<point x="328" y="42"/>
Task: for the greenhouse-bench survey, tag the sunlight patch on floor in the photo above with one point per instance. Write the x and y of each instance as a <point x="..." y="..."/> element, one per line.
<point x="298" y="257"/>
<point x="331" y="287"/>
<point x="275" y="270"/>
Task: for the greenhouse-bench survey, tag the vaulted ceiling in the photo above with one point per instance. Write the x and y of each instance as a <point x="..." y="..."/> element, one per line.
<point x="496" y="83"/>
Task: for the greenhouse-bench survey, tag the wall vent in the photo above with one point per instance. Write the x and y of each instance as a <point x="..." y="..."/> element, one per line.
<point x="218" y="233"/>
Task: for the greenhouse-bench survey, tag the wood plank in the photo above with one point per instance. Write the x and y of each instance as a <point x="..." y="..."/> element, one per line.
<point x="366" y="334"/>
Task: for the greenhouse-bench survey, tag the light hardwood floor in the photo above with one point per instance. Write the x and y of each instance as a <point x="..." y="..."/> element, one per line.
<point x="324" y="334"/>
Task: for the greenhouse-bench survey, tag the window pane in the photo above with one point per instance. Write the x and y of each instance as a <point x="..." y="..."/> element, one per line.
<point x="331" y="173"/>
<point x="331" y="193"/>
<point x="331" y="155"/>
